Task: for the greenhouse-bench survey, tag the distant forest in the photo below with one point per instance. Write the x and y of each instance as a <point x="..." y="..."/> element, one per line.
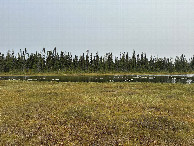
<point x="48" y="61"/>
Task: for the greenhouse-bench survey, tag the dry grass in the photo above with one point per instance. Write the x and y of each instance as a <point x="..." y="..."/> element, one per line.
<point x="51" y="113"/>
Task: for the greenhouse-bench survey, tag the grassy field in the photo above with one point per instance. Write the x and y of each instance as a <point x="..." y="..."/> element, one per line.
<point x="49" y="113"/>
<point x="60" y="73"/>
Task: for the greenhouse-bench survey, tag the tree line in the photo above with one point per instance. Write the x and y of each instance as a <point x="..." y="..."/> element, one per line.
<point x="49" y="61"/>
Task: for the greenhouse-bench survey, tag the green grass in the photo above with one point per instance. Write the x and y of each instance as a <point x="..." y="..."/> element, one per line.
<point x="61" y="73"/>
<point x="51" y="113"/>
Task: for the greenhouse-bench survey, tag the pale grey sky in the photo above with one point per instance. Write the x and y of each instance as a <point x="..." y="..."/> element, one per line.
<point x="157" y="27"/>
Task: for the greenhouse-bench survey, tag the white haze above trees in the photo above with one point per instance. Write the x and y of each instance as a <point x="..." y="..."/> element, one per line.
<point x="161" y="28"/>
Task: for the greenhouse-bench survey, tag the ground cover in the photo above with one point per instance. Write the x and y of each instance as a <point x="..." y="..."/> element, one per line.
<point x="60" y="73"/>
<point x="49" y="113"/>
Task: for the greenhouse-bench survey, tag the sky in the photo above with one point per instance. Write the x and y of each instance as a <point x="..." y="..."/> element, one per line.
<point x="163" y="28"/>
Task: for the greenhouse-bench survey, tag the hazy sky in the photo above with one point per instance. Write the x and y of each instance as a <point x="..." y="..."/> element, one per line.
<point x="157" y="27"/>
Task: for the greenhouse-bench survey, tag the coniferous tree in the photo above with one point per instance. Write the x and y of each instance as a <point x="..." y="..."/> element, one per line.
<point x="53" y="61"/>
<point x="192" y="63"/>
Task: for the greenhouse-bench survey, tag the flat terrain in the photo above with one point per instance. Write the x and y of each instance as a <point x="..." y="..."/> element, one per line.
<point x="49" y="113"/>
<point x="60" y="73"/>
